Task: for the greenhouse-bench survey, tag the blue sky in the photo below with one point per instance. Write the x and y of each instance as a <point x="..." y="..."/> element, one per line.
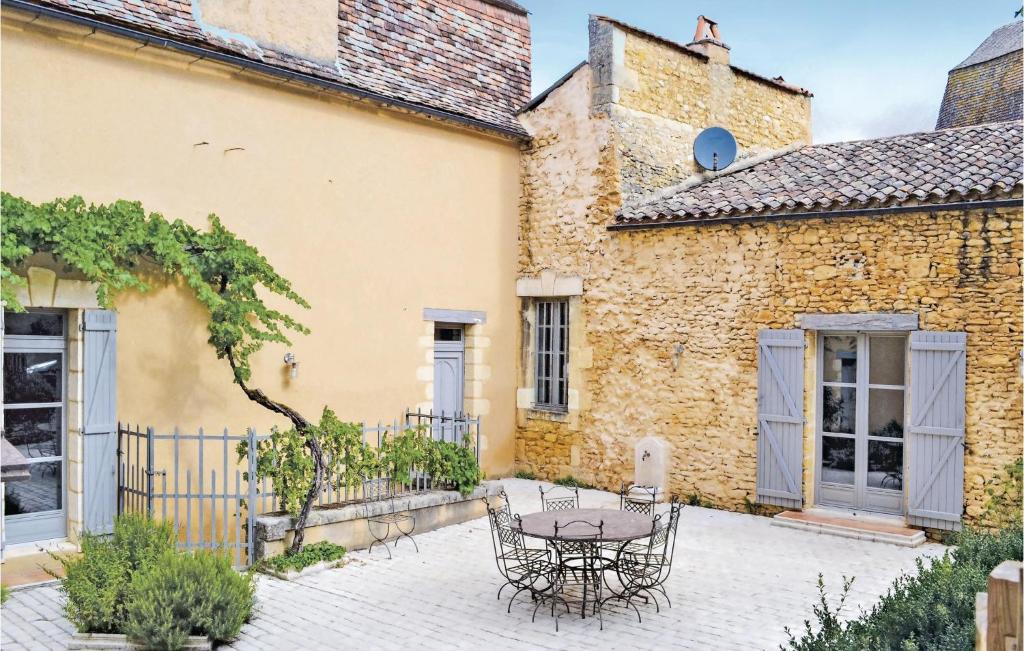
<point x="876" y="67"/>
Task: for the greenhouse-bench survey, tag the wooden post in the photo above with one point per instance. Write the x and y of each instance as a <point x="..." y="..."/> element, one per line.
<point x="1005" y="617"/>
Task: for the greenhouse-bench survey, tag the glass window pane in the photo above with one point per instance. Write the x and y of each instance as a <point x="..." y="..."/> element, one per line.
<point x="39" y="324"/>
<point x="888" y="359"/>
<point x="840" y="358"/>
<point x="32" y="377"/>
<point x="837" y="458"/>
<point x="35" y="432"/>
<point x="447" y="334"/>
<point x="885" y="412"/>
<point x="40" y="493"/>
<point x="839" y="409"/>
<point x="885" y="465"/>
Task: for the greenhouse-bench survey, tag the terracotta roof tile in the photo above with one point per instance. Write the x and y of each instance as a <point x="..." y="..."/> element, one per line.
<point x="470" y="58"/>
<point x="966" y="164"/>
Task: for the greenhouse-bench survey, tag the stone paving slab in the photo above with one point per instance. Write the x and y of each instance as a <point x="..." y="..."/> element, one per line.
<point x="736" y="583"/>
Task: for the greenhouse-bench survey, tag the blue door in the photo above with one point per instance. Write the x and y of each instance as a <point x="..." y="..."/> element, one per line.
<point x="449" y="380"/>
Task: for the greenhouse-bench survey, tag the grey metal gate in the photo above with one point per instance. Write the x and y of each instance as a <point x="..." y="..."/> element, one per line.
<point x="196" y="481"/>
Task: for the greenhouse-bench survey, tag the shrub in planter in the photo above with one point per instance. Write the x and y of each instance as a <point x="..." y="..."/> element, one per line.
<point x="310" y="555"/>
<point x="96" y="584"/>
<point x="188" y="594"/>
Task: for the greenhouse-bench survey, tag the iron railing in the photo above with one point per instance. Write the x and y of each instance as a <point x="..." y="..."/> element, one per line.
<point x="197" y="481"/>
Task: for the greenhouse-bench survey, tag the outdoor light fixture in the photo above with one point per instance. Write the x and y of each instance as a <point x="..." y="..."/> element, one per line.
<point x="289" y="359"/>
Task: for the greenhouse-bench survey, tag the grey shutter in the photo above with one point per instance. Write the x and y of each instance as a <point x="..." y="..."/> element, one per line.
<point x="100" y="421"/>
<point x="780" y="395"/>
<point x="935" y="441"/>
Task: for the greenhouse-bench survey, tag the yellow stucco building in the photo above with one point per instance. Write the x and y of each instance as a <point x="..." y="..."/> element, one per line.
<point x="388" y="198"/>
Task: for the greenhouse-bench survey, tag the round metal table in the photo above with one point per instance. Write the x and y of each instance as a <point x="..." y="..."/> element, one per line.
<point x="619" y="526"/>
<point x="616" y="527"/>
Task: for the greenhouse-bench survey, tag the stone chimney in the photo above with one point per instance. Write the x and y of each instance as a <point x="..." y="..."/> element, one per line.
<point x="707" y="40"/>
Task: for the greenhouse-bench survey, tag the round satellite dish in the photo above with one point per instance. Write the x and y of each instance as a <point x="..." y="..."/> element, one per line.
<point x="714" y="149"/>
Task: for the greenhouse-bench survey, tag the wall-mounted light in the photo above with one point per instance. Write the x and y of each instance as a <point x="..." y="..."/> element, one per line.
<point x="289" y="359"/>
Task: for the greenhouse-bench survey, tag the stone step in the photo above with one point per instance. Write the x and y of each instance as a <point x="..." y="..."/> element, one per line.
<point x="832" y="523"/>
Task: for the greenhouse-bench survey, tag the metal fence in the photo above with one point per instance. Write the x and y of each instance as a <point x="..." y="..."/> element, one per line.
<point x="197" y="481"/>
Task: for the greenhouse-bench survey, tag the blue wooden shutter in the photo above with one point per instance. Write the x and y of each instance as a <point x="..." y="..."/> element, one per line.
<point x="935" y="441"/>
<point x="780" y="416"/>
<point x="100" y="420"/>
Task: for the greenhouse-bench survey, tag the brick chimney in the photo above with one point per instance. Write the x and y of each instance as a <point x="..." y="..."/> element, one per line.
<point x="707" y="40"/>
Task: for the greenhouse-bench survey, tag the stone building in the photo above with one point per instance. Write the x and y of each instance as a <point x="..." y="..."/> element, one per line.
<point x="987" y="86"/>
<point x="833" y="325"/>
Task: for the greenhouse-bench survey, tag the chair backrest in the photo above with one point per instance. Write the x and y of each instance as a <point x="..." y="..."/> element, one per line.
<point x="663" y="541"/>
<point x="586" y="537"/>
<point x="378" y="488"/>
<point x="559" y="498"/>
<point x="638" y="499"/>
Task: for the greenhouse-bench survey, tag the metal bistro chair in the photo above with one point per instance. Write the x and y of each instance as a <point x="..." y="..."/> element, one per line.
<point x="638" y="499"/>
<point x="525" y="569"/>
<point x="404" y="522"/>
<point x="582" y="571"/>
<point x="643" y="568"/>
<point x="559" y="498"/>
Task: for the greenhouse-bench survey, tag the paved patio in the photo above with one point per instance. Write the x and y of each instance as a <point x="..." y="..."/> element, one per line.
<point x="737" y="582"/>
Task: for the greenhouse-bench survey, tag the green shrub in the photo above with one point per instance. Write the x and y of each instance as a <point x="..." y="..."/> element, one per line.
<point x="309" y="555"/>
<point x="525" y="474"/>
<point x="571" y="482"/>
<point x="96" y="583"/>
<point x="188" y="594"/>
<point x="933" y="609"/>
<point x="5" y="593"/>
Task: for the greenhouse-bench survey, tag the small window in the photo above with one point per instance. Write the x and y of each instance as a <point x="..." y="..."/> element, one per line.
<point x="447" y="333"/>
<point x="553" y="354"/>
<point x="34" y="324"/>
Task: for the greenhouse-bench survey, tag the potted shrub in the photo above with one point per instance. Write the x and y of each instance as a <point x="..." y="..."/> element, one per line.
<point x="133" y="590"/>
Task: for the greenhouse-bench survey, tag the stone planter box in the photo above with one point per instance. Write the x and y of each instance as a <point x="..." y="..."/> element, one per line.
<point x="316" y="568"/>
<point x="346" y="524"/>
<point x="81" y="641"/>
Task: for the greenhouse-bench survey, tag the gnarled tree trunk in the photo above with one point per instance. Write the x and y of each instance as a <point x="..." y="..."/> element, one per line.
<point x="305" y="428"/>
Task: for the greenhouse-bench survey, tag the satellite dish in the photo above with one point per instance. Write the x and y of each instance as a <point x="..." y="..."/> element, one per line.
<point x="714" y="149"/>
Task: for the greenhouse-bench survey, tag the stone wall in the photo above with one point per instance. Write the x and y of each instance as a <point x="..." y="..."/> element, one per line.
<point x="670" y="316"/>
<point x="711" y="288"/>
<point x="660" y="95"/>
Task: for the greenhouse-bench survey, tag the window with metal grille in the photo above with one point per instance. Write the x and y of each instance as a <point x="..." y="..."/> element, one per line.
<point x="553" y="354"/>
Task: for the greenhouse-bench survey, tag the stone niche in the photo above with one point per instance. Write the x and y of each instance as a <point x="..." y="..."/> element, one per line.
<point x="651" y="456"/>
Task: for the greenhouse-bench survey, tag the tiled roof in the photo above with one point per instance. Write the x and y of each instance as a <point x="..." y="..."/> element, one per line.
<point x="1004" y="40"/>
<point x="467" y="58"/>
<point x="972" y="163"/>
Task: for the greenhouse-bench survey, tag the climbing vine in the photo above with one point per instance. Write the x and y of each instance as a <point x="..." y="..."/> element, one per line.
<point x="118" y="245"/>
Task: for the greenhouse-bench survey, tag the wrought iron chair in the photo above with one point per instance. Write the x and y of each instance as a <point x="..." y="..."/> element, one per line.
<point x="404" y="522"/>
<point x="642" y="568"/>
<point x="523" y="568"/>
<point x="559" y="498"/>
<point x="582" y="570"/>
<point x="638" y="499"/>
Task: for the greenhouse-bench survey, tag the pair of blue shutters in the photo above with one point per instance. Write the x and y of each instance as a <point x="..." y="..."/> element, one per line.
<point x="99" y="427"/>
<point x="934" y="435"/>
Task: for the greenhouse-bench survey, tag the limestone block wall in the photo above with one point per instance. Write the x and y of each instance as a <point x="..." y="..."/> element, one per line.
<point x="709" y="289"/>
<point x="660" y="95"/>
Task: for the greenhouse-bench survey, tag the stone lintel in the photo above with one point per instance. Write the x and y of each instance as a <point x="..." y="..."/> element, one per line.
<point x="549" y="284"/>
<point x="440" y="315"/>
<point x="876" y="321"/>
